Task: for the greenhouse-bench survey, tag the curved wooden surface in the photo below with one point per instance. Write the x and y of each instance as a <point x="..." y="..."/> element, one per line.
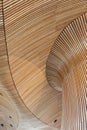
<point x="67" y="52"/>
<point x="66" y="72"/>
<point x="28" y="30"/>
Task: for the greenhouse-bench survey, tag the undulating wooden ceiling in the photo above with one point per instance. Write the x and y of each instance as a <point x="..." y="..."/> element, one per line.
<point x="28" y="31"/>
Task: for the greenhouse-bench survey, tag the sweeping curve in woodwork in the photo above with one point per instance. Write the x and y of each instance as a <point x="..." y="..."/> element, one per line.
<point x="6" y="121"/>
<point x="68" y="51"/>
<point x="41" y="110"/>
<point x="31" y="28"/>
<point x="66" y="72"/>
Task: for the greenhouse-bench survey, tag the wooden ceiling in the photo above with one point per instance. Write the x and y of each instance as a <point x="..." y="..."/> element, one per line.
<point x="66" y="72"/>
<point x="28" y="30"/>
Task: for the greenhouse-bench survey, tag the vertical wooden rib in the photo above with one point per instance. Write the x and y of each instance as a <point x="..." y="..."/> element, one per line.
<point x="67" y="67"/>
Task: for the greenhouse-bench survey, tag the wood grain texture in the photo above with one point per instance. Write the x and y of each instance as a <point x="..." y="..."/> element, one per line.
<point x="25" y="117"/>
<point x="28" y="31"/>
<point x="66" y="72"/>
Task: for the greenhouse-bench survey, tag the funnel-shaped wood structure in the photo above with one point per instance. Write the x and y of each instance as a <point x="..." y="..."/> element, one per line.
<point x="43" y="65"/>
<point x="66" y="72"/>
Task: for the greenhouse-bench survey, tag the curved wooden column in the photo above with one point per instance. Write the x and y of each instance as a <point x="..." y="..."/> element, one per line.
<point x="66" y="72"/>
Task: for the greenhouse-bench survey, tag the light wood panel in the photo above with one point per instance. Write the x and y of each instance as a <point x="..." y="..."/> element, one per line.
<point x="31" y="27"/>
